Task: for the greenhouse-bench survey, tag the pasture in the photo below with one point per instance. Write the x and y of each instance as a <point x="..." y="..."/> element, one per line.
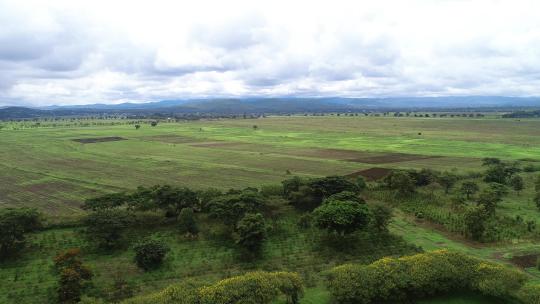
<point x="51" y="169"/>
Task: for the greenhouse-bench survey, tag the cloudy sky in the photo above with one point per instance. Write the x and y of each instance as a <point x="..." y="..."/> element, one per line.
<point x="77" y="52"/>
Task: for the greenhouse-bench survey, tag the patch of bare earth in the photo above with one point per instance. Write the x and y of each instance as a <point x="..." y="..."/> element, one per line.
<point x="525" y="261"/>
<point x="98" y="139"/>
<point x="390" y="158"/>
<point x="371" y="174"/>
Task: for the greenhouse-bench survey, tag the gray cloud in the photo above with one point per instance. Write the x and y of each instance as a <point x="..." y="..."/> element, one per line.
<point x="63" y="52"/>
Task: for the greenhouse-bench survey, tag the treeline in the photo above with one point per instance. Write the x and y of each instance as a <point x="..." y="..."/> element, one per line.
<point x="523" y="114"/>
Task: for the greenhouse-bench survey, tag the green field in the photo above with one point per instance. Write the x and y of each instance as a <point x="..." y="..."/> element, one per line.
<point x="48" y="169"/>
<point x="45" y="168"/>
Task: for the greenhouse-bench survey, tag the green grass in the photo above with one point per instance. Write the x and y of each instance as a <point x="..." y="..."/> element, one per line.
<point x="44" y="168"/>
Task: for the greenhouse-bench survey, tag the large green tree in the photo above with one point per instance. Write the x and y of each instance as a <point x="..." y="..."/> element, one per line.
<point x="15" y="223"/>
<point x="106" y="227"/>
<point x="251" y="232"/>
<point x="342" y="217"/>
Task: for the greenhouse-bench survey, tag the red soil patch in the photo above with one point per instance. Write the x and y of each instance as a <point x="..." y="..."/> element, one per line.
<point x="371" y="174"/>
<point x="98" y="139"/>
<point x="525" y="261"/>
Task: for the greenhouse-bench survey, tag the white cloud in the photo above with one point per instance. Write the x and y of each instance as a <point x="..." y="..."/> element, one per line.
<point x="74" y="52"/>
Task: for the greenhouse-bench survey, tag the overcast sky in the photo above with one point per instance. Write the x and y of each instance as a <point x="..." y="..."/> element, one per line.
<point x="77" y="52"/>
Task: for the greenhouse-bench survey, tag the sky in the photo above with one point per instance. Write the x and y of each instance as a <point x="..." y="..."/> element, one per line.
<point x="80" y="52"/>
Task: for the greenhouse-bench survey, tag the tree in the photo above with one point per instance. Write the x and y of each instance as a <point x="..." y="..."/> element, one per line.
<point x="490" y="161"/>
<point x="154" y="123"/>
<point x="232" y="207"/>
<point x="475" y="218"/>
<point x="496" y="174"/>
<point x="105" y="227"/>
<point x="14" y="224"/>
<point x="137" y="127"/>
<point x="469" y="188"/>
<point x="361" y="183"/>
<point x="517" y="183"/>
<point x="342" y="217"/>
<point x="106" y="201"/>
<point x="382" y="215"/>
<point x="187" y="221"/>
<point x="489" y="199"/>
<point x="174" y="199"/>
<point x="150" y="253"/>
<point x="537" y="200"/>
<point x="326" y="186"/>
<point x="402" y="182"/>
<point x="447" y="180"/>
<point x="423" y="177"/>
<point x="73" y="275"/>
<point x="251" y="232"/>
<point x="537" y="184"/>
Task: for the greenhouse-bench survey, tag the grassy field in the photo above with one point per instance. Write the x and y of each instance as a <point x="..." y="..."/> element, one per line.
<point x="45" y="168"/>
<point x="48" y="169"/>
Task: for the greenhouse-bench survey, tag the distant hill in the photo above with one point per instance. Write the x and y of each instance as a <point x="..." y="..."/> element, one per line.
<point x="276" y="106"/>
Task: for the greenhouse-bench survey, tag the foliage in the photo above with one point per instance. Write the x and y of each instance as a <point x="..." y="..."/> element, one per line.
<point x="73" y="275"/>
<point x="447" y="180"/>
<point x="232" y="207"/>
<point x="107" y="201"/>
<point x="469" y="188"/>
<point x="105" y="227"/>
<point x="14" y="224"/>
<point x="382" y="215"/>
<point x="475" y="218"/>
<point x="517" y="183"/>
<point x="149" y="253"/>
<point x="173" y="199"/>
<point x="187" y="221"/>
<point x="421" y="275"/>
<point x="251" y="232"/>
<point x="341" y="217"/>
<point x="402" y="182"/>
<point x="251" y="288"/>
<point x="346" y="196"/>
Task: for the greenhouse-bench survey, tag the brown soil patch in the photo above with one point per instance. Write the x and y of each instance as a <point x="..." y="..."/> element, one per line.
<point x="98" y="139"/>
<point x="390" y="158"/>
<point x="525" y="261"/>
<point x="371" y="174"/>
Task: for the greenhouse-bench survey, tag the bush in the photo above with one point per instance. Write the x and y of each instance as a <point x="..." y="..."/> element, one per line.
<point x="149" y="253"/>
<point x="73" y="275"/>
<point x="251" y="232"/>
<point x="421" y="275"/>
<point x="251" y="288"/>
<point x="105" y="227"/>
<point x="187" y="221"/>
<point x="529" y="294"/>
<point x="341" y="217"/>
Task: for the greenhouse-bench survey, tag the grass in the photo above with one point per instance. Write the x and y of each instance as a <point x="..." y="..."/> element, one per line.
<point x="44" y="168"/>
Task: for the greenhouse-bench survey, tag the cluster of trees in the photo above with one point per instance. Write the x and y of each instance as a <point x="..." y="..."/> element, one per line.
<point x="476" y="203"/>
<point x="426" y="274"/>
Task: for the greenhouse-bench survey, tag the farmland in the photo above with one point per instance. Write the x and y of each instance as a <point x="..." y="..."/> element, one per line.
<point x="55" y="168"/>
<point x="45" y="167"/>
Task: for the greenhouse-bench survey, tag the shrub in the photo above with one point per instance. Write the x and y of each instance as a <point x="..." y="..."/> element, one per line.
<point x="73" y="275"/>
<point x="105" y="227"/>
<point x="251" y="288"/>
<point x="187" y="221"/>
<point x="406" y="278"/>
<point x="149" y="253"/>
